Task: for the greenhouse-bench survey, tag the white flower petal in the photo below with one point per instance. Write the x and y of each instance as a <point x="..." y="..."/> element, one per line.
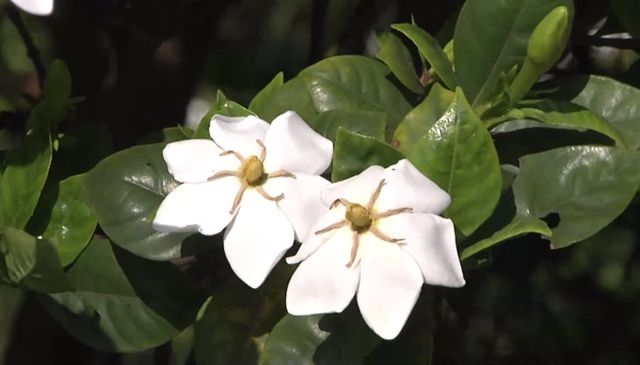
<point x="406" y="186"/>
<point x="293" y="146"/>
<point x="431" y="242"/>
<point x="238" y="133"/>
<point x="257" y="238"/>
<point x="314" y="241"/>
<point x="191" y="161"/>
<point x="35" y="7"/>
<point x="200" y="207"/>
<point x="357" y="189"/>
<point x="301" y="202"/>
<point x="390" y="283"/>
<point x="322" y="283"/>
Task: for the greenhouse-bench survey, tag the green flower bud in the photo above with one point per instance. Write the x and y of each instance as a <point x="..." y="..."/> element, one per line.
<point x="549" y="38"/>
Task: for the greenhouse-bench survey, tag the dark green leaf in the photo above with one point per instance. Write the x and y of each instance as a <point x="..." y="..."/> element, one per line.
<point x="458" y="154"/>
<point x="612" y="100"/>
<point x="63" y="218"/>
<point x="355" y="83"/>
<point x="491" y="37"/>
<point x="31" y="262"/>
<point x="125" y="190"/>
<point x="124" y="303"/>
<point x="292" y="95"/>
<point x="354" y="153"/>
<point x="431" y="50"/>
<point x="57" y="90"/>
<point x="587" y="186"/>
<point x="417" y="123"/>
<point x="167" y="135"/>
<point x="320" y="339"/>
<point x="628" y="13"/>
<point x="266" y="93"/>
<point x="224" y="107"/>
<point x="397" y="57"/>
<point x="370" y="124"/>
<point x="24" y="178"/>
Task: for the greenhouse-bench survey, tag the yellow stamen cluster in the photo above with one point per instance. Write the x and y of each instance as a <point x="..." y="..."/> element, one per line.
<point x="251" y="174"/>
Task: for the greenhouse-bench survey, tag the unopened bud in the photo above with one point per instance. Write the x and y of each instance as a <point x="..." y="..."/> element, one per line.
<point x="549" y="38"/>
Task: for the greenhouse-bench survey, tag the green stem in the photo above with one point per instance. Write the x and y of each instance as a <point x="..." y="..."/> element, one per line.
<point x="527" y="77"/>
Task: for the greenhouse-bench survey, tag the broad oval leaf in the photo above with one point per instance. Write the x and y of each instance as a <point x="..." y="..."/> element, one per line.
<point x="264" y="94"/>
<point x="431" y="50"/>
<point x="397" y="57"/>
<point x="353" y="153"/>
<point x="63" y="218"/>
<point x="587" y="186"/>
<point x="292" y="95"/>
<point x="355" y="83"/>
<point x="30" y="262"/>
<point x="491" y="37"/>
<point x="223" y="106"/>
<point x="329" y="339"/>
<point x="25" y="176"/>
<point x="417" y="123"/>
<point x="57" y="90"/>
<point x="458" y="154"/>
<point x="612" y="100"/>
<point x="370" y="124"/>
<point x="124" y="303"/>
<point x="125" y="190"/>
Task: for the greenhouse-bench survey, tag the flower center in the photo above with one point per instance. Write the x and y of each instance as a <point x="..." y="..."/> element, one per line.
<point x="251" y="174"/>
<point x="253" y="171"/>
<point x="362" y="220"/>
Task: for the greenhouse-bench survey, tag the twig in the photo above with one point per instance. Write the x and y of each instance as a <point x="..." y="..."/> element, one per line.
<point x="318" y="20"/>
<point x="32" y="51"/>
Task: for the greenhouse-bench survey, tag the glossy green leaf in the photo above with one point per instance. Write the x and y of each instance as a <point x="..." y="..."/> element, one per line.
<point x="431" y="50"/>
<point x="491" y="37"/>
<point x="24" y="178"/>
<point x="370" y="124"/>
<point x="397" y="57"/>
<point x="355" y="83"/>
<point x="30" y="262"/>
<point x="354" y="153"/>
<point x="458" y="154"/>
<point x="167" y="135"/>
<point x="57" y="90"/>
<point x="222" y="106"/>
<point x="562" y="113"/>
<point x="125" y="190"/>
<point x="628" y="13"/>
<point x="63" y="218"/>
<point x="122" y="302"/>
<point x="518" y="227"/>
<point x="587" y="186"/>
<point x="612" y="100"/>
<point x="320" y="339"/>
<point x="292" y="95"/>
<point x="264" y="94"/>
<point x="417" y="123"/>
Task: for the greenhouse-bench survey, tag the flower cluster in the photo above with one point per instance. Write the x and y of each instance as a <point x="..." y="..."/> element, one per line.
<point x="377" y="236"/>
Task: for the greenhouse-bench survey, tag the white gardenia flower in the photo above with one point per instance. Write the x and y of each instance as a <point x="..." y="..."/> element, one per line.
<point x="260" y="181"/>
<point x="382" y="239"/>
<point x="35" y="7"/>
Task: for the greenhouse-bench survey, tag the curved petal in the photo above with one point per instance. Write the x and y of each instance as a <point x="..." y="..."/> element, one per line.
<point x="35" y="7"/>
<point x="293" y="146"/>
<point x="431" y="241"/>
<point x="357" y="189"/>
<point x="200" y="207"/>
<point x="301" y="202"/>
<point x="257" y="238"/>
<point x="406" y="186"/>
<point x="238" y="133"/>
<point x="191" y="161"/>
<point x="322" y="283"/>
<point x="314" y="241"/>
<point x="390" y="283"/>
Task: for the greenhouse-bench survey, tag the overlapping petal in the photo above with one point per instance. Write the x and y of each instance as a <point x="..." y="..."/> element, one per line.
<point x="35" y="7"/>
<point x="295" y="147"/>
<point x="315" y="241"/>
<point x="200" y="207"/>
<point x="356" y="189"/>
<point x="238" y="133"/>
<point x="257" y="238"/>
<point x="191" y="161"/>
